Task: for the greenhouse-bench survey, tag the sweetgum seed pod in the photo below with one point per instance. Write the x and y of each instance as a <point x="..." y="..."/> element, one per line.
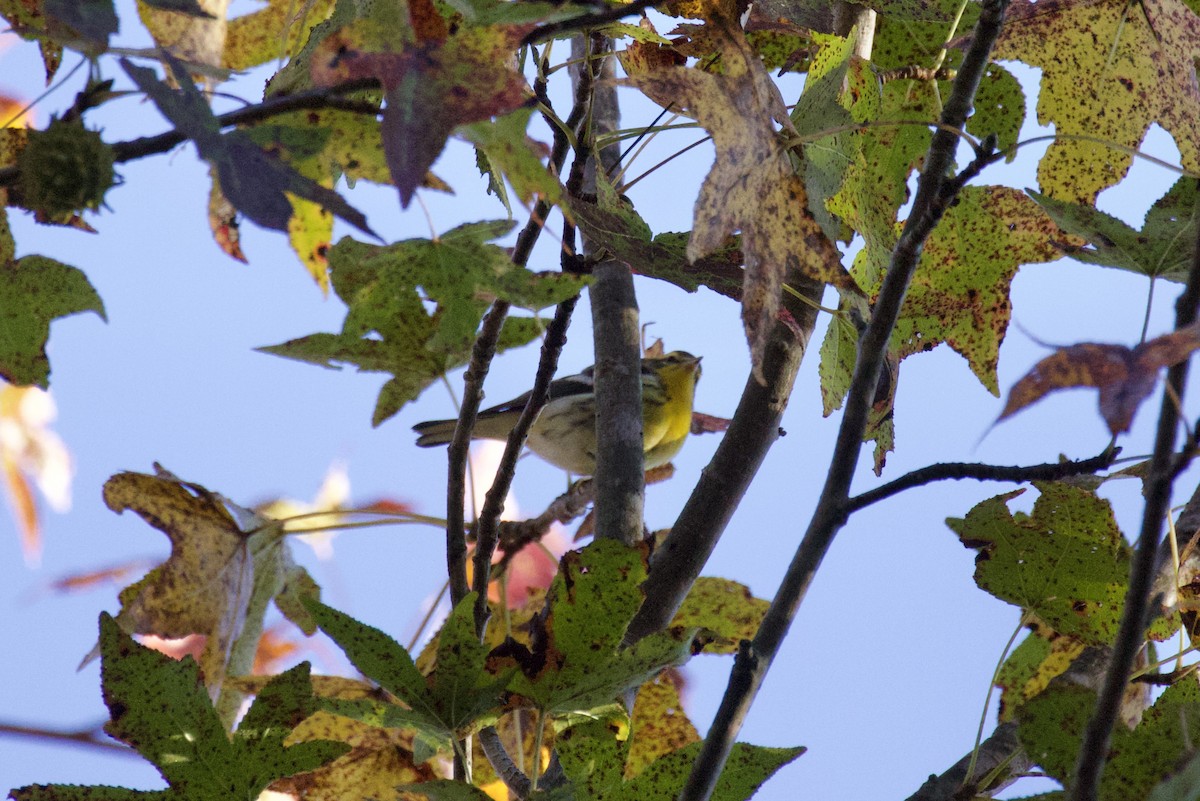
<point x="65" y="168"/>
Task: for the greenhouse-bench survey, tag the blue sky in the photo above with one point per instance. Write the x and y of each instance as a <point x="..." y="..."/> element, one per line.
<point x="889" y="661"/>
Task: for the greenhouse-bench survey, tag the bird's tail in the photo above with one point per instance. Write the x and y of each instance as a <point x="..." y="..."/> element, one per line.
<point x="489" y="425"/>
<point x="435" y="432"/>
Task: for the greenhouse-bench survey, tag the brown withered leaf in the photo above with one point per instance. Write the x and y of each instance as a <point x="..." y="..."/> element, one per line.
<point x="752" y="187"/>
<point x="430" y="88"/>
<point x="1124" y="376"/>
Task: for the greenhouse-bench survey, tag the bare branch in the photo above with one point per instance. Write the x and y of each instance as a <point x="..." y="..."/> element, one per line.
<point x="1157" y="490"/>
<point x="330" y="97"/>
<point x="1050" y="471"/>
<point x="932" y="198"/>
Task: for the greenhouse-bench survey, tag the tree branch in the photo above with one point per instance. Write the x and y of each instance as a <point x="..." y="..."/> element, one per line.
<point x="487" y="528"/>
<point x="620" y="464"/>
<point x="329" y="97"/>
<point x="613" y="14"/>
<point x="1050" y="471"/>
<point x="1157" y="490"/>
<point x="1000" y="757"/>
<point x="91" y="738"/>
<point x="753" y="430"/>
<point x="928" y="207"/>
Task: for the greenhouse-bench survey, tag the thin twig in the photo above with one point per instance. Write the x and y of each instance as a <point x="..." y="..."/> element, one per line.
<point x="487" y="528"/>
<point x="330" y="97"/>
<point x="932" y="198"/>
<point x="613" y="14"/>
<point x="91" y="738"/>
<point x="1093" y="751"/>
<point x="1050" y="471"/>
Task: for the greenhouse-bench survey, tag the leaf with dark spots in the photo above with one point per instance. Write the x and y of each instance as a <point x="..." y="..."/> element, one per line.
<point x="1124" y="376"/>
<point x="160" y="707"/>
<point x="752" y="187"/>
<point x="430" y="88"/>
<point x="1110" y="70"/>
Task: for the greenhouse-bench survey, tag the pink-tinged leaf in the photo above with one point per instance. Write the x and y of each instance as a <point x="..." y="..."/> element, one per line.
<point x="1124" y="376"/>
<point x="430" y="87"/>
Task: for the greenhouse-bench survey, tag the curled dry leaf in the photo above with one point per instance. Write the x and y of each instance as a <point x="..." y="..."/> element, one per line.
<point x="752" y="187"/>
<point x="1124" y="376"/>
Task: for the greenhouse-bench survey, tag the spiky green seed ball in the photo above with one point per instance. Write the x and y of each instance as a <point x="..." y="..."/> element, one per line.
<point x="65" y="168"/>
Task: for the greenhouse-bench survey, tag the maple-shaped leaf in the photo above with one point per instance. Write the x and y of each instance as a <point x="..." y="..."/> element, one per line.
<point x="1162" y="249"/>
<point x="1052" y="726"/>
<point x="960" y="290"/>
<point x="388" y="327"/>
<point x="256" y="183"/>
<point x="379" y="759"/>
<point x="1124" y="376"/>
<point x="594" y="760"/>
<point x="226" y="565"/>
<point x="35" y="291"/>
<point x="752" y="187"/>
<point x="581" y="665"/>
<point x="456" y="699"/>
<point x="431" y="86"/>
<point x="1110" y="70"/>
<point x="161" y="707"/>
<point x="1066" y="562"/>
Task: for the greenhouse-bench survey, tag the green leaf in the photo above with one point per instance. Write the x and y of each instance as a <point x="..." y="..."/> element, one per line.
<point x="745" y="771"/>
<point x="612" y="221"/>
<point x="593" y="757"/>
<point x="517" y="157"/>
<point x="1052" y="727"/>
<point x="822" y="106"/>
<point x="999" y="109"/>
<point x="93" y="20"/>
<point x="160" y="707"/>
<point x="1162" y="249"/>
<point x="1067" y="562"/>
<point x="388" y="327"/>
<point x="35" y="291"/>
<point x="584" y="666"/>
<point x="1040" y="657"/>
<point x="456" y="699"/>
<point x="446" y="790"/>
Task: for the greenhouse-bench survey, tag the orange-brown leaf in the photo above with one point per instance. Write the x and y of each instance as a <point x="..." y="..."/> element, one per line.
<point x="1124" y="376"/>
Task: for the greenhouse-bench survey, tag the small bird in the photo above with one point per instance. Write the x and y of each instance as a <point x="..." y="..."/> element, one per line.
<point x="564" y="434"/>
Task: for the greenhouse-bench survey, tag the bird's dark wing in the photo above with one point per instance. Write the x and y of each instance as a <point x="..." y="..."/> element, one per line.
<point x="559" y="388"/>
